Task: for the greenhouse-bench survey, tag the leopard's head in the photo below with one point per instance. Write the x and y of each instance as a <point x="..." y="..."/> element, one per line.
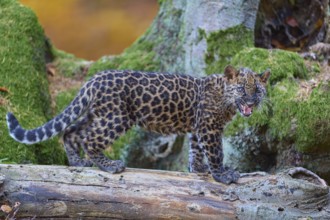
<point x="244" y="89"/>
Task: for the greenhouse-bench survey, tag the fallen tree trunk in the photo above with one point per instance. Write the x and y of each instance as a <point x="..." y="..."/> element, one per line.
<point x="70" y="192"/>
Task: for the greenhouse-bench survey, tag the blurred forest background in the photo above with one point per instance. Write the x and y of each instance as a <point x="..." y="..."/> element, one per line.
<point x="91" y="29"/>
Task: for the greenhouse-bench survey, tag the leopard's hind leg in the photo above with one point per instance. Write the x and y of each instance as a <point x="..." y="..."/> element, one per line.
<point x="196" y="156"/>
<point x="73" y="142"/>
<point x="100" y="134"/>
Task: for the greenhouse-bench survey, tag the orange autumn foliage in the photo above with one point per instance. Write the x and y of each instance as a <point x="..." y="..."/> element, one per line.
<point x="91" y="29"/>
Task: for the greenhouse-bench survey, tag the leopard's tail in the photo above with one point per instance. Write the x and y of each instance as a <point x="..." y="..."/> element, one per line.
<point x="77" y="108"/>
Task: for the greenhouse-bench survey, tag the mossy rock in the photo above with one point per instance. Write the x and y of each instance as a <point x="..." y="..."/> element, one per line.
<point x="283" y="64"/>
<point x="222" y="46"/>
<point x="23" y="50"/>
<point x="63" y="99"/>
<point x="313" y="121"/>
<point x="285" y="115"/>
<point x="158" y="49"/>
<point x="67" y="64"/>
<point x="139" y="56"/>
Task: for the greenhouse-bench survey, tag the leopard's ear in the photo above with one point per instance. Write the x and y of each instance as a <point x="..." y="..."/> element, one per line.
<point x="264" y="76"/>
<point x="230" y="72"/>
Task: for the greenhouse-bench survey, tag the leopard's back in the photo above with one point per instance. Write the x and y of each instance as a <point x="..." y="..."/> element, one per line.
<point x="160" y="102"/>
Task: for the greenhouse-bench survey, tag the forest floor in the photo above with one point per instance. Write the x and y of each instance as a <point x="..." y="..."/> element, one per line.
<point x="59" y="83"/>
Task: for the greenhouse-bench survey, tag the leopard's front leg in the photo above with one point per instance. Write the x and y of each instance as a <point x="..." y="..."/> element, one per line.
<point x="211" y="141"/>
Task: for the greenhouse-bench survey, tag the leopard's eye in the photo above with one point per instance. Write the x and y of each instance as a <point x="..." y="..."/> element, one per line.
<point x="240" y="89"/>
<point x="259" y="89"/>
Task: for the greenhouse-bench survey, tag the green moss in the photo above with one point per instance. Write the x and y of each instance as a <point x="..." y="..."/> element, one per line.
<point x="117" y="149"/>
<point x="283" y="64"/>
<point x="169" y="37"/>
<point x="281" y="107"/>
<point x="159" y="49"/>
<point x="63" y="99"/>
<point x="139" y="56"/>
<point x="160" y="2"/>
<point x="22" y="72"/>
<point x="307" y="123"/>
<point x="67" y="64"/>
<point x="201" y="34"/>
<point x="313" y="121"/>
<point x="277" y="112"/>
<point x="284" y="114"/>
<point x="223" y="45"/>
<point x="315" y="68"/>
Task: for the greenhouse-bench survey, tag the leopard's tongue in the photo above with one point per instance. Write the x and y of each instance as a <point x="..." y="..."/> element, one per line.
<point x="247" y="110"/>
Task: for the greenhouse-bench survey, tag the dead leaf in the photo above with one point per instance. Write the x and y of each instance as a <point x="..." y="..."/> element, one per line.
<point x="51" y="70"/>
<point x="6" y="208"/>
<point x="3" y="89"/>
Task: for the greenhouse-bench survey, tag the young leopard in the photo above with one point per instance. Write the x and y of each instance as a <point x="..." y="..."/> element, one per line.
<point x="113" y="101"/>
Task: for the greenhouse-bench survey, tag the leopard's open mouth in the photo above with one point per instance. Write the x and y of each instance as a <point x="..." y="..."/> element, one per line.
<point x="245" y="110"/>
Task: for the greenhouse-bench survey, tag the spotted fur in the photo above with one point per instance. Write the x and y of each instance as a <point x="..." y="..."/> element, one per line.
<point x="113" y="101"/>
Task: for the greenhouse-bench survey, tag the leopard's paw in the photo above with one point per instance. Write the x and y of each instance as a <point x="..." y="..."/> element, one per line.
<point x="226" y="175"/>
<point x="112" y="166"/>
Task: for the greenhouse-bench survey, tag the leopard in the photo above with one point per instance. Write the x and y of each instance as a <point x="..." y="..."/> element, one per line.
<point x="113" y="101"/>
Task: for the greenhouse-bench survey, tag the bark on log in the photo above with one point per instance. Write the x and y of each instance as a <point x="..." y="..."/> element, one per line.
<point x="46" y="192"/>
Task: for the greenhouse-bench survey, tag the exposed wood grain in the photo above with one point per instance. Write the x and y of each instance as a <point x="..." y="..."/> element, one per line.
<point x="71" y="193"/>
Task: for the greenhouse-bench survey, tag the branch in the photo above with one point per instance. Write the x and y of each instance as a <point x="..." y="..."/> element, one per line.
<point x="73" y="192"/>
